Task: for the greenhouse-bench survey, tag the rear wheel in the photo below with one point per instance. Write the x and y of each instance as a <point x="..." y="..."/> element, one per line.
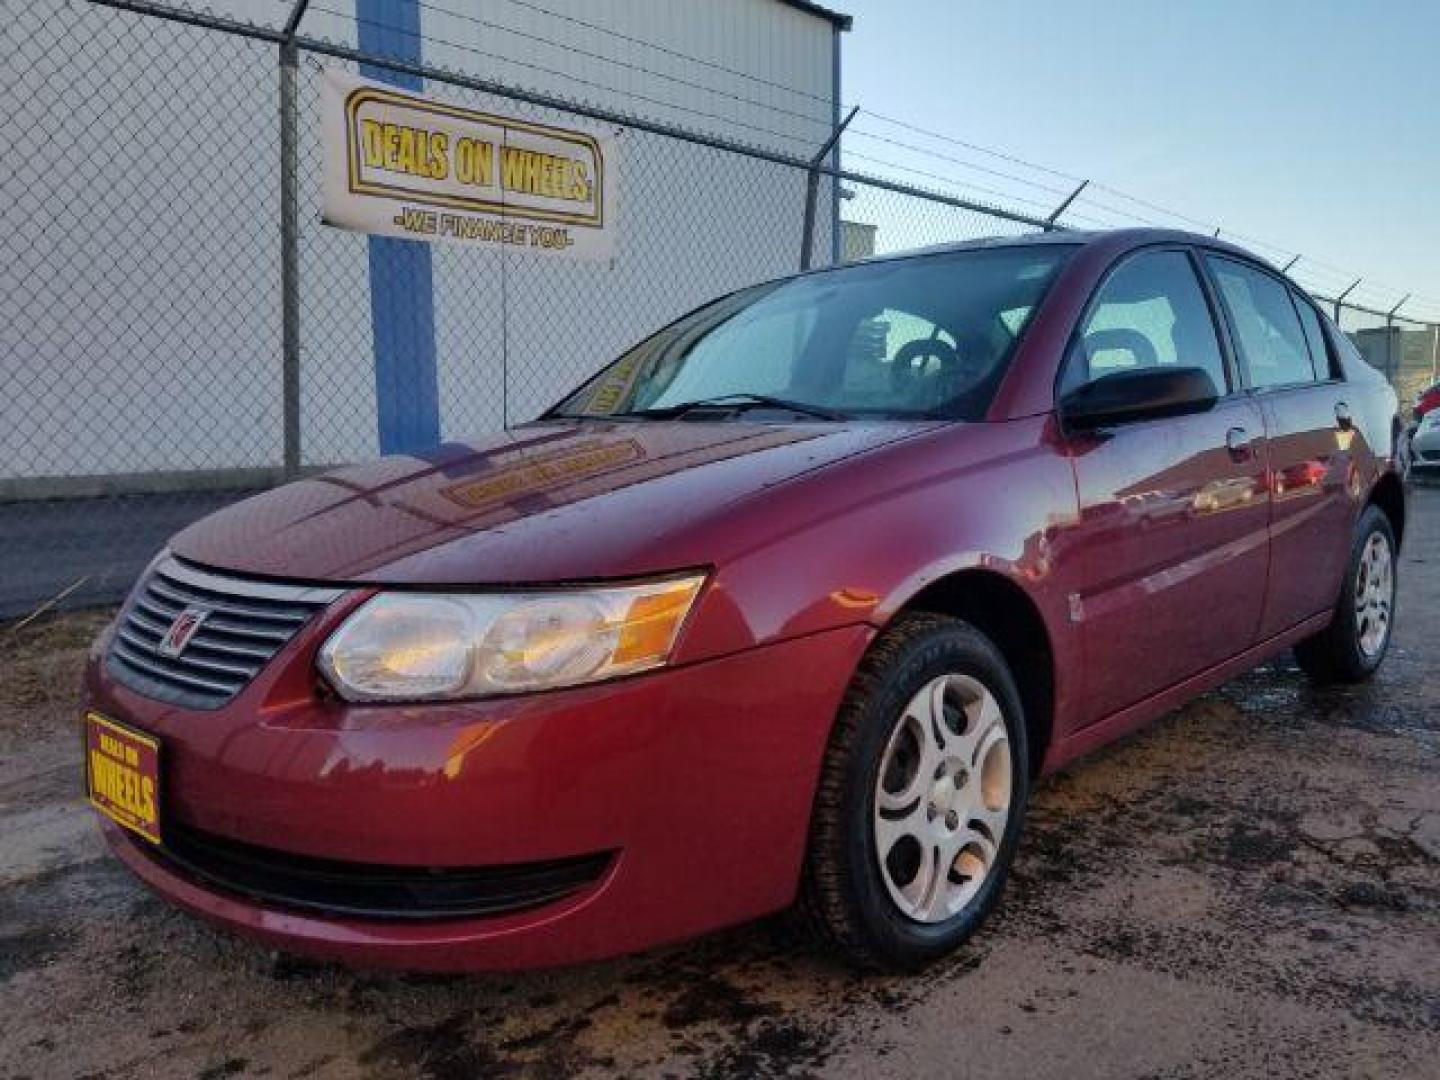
<point x="1353" y="646"/>
<point x="920" y="802"/>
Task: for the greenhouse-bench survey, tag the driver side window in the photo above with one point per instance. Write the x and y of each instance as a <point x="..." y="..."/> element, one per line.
<point x="1150" y="312"/>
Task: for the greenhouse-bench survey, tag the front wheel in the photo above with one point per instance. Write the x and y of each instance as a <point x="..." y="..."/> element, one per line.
<point x="1352" y="647"/>
<point x="921" y="797"/>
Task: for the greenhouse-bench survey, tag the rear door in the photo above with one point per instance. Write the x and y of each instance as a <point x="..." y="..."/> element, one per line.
<point x="1286" y="363"/>
<point x="1174" y="511"/>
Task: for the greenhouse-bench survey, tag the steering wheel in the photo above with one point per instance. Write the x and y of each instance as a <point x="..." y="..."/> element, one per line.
<point x="1122" y="340"/>
<point x="911" y="370"/>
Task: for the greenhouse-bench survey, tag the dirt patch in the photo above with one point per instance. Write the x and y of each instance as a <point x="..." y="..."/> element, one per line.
<point x="39" y="669"/>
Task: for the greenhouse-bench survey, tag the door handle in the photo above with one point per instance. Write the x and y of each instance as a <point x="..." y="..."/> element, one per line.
<point x="1237" y="441"/>
<point x="1343" y="419"/>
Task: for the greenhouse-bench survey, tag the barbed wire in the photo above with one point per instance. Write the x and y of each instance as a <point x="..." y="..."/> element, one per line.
<point x="961" y="186"/>
<point x="1060" y="193"/>
<point x="666" y="50"/>
<point x="1374" y="290"/>
<point x="1378" y="292"/>
<point x="799" y="148"/>
<point x="824" y="122"/>
<point x="1084" y="210"/>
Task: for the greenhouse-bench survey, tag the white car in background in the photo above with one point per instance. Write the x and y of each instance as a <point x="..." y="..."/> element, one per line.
<point x="1425" y="443"/>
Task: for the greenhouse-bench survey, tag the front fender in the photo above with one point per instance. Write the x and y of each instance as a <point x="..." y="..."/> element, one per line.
<point x="856" y="544"/>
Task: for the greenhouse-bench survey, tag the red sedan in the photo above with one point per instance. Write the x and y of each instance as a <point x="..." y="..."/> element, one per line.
<point x="786" y="607"/>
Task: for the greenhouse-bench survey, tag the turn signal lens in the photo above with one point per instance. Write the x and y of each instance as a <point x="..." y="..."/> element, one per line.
<point x="431" y="646"/>
<point x="652" y="623"/>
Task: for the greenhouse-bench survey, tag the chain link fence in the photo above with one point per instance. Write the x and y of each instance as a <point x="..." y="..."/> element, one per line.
<point x="1406" y="350"/>
<point x="181" y="330"/>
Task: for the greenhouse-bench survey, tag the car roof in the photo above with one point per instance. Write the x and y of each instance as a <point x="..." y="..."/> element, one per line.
<point x="1120" y="239"/>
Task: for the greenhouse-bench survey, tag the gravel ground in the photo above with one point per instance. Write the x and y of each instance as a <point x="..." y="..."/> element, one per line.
<point x="1249" y="888"/>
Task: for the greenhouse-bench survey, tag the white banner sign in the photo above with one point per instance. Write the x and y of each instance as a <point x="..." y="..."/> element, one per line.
<point x="397" y="164"/>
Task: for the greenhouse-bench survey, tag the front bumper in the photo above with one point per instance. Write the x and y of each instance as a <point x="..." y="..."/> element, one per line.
<point x="696" y="782"/>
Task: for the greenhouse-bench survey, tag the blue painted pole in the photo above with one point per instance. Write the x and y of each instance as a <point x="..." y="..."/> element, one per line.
<point x="402" y="293"/>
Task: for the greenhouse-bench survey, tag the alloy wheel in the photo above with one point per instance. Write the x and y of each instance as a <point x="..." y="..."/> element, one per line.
<point x="942" y="798"/>
<point x="1374" y="595"/>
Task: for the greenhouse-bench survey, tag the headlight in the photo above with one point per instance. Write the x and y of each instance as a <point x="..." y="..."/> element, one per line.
<point x="427" y="646"/>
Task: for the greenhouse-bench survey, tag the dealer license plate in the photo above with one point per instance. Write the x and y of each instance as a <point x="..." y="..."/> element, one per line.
<point x="122" y="775"/>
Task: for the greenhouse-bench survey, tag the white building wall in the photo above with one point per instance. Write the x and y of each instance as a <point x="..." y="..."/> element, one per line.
<point x="139" y="294"/>
<point x="139" y="270"/>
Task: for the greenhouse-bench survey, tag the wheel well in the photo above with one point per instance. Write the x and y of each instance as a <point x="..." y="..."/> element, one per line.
<point x="1002" y="611"/>
<point x="1389" y="495"/>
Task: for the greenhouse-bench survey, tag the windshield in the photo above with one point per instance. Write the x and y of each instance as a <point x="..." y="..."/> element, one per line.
<point x="929" y="336"/>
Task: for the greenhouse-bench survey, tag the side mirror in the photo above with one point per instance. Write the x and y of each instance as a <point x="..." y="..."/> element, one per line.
<point x="1143" y="394"/>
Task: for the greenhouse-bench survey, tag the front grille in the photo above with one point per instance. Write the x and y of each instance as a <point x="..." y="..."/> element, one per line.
<point x="368" y="890"/>
<point x="246" y="624"/>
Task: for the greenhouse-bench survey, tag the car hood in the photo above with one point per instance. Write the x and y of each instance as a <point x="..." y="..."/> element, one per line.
<point x="526" y="506"/>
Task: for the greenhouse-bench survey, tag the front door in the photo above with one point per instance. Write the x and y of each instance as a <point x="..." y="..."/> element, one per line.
<point x="1174" y="512"/>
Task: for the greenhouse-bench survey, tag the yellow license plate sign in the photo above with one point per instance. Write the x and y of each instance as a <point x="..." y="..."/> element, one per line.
<point x="122" y="775"/>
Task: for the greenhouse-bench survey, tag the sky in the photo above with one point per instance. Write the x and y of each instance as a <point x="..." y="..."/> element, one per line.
<point x="1313" y="126"/>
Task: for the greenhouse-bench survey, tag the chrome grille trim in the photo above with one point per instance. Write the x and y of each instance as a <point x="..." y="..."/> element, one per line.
<point x="241" y="588"/>
<point x="217" y="602"/>
<point x="158" y="630"/>
<point x="206" y="686"/>
<point x="250" y="622"/>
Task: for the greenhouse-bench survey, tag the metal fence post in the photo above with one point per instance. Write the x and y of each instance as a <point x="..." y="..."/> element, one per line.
<point x="812" y="189"/>
<point x="1390" y="339"/>
<point x="1053" y="221"/>
<point x="1390" y="349"/>
<point x="1339" y="300"/>
<point x="290" y="244"/>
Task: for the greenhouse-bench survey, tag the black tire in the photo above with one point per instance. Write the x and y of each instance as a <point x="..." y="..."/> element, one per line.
<point x="844" y="902"/>
<point x="1334" y="654"/>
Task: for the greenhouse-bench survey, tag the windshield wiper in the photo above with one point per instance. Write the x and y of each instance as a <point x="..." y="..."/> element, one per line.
<point x="736" y="402"/>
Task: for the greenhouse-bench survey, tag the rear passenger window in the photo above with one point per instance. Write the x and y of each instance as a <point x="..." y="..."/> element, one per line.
<point x="1272" y="342"/>
<point x="1315" y="338"/>
<point x="1149" y="313"/>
